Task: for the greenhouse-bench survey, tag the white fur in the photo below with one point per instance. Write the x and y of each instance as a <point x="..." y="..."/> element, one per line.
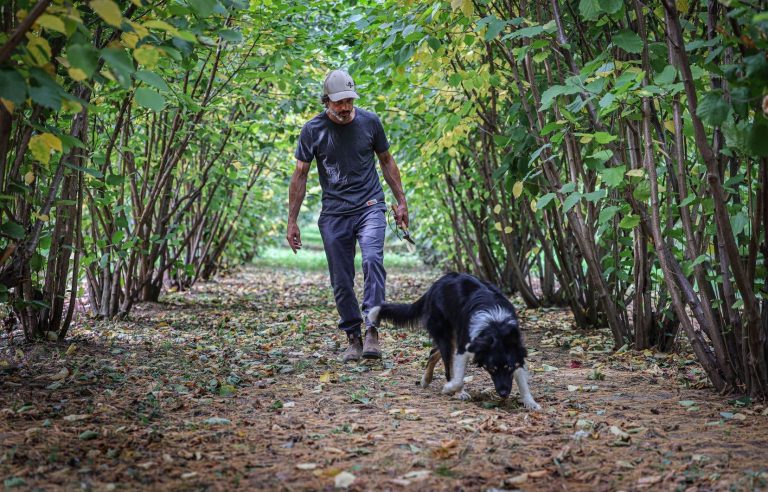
<point x="458" y="368"/>
<point x="463" y="396"/>
<point x="481" y="319"/>
<point x="373" y="315"/>
<point x="521" y="378"/>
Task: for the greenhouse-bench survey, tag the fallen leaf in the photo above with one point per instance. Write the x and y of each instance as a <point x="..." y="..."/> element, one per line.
<point x="62" y="374"/>
<point x="400" y="482"/>
<point x="616" y="431"/>
<point x="585" y="424"/>
<point x="306" y="466"/>
<point x="343" y="480"/>
<point x="88" y="435"/>
<point x="517" y="480"/>
<point x="650" y="480"/>
<point x="416" y="475"/>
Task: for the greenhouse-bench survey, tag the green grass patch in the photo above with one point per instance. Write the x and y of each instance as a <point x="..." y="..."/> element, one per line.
<point x="311" y="257"/>
<point x="314" y="259"/>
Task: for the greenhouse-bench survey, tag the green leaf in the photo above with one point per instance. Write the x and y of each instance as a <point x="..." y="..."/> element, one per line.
<point x="151" y="78"/>
<point x="83" y="56"/>
<point x="44" y="90"/>
<point x="610" y="6"/>
<point x="150" y="99"/>
<point x="405" y="53"/>
<point x="495" y="26"/>
<point x="231" y="36"/>
<point x="642" y="191"/>
<point x="607" y="214"/>
<point x="12" y="86"/>
<point x="604" y="138"/>
<point x="121" y="65"/>
<point x="13" y="230"/>
<point x="666" y="76"/>
<point x="629" y="41"/>
<point x="115" y="179"/>
<point x="204" y="8"/>
<point x="572" y="200"/>
<point x="549" y="95"/>
<point x="589" y="9"/>
<point x="629" y="221"/>
<point x="108" y="10"/>
<point x="596" y="195"/>
<point x="544" y="200"/>
<point x="613" y="176"/>
<point x="713" y="108"/>
<point x="526" y="32"/>
<point x="757" y="140"/>
<point x="606" y="100"/>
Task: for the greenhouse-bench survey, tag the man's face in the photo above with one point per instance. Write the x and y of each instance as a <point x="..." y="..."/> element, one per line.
<point x="342" y="109"/>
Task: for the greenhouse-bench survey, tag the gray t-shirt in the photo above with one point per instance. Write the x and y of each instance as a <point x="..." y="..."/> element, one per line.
<point x="346" y="158"/>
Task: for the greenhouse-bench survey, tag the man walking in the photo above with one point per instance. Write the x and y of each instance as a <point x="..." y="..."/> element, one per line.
<point x="343" y="140"/>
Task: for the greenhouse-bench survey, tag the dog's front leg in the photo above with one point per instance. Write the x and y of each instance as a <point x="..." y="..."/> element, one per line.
<point x="521" y="378"/>
<point x="458" y="367"/>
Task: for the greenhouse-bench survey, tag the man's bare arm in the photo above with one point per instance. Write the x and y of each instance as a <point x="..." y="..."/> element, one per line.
<point x="296" y="192"/>
<point x="392" y="177"/>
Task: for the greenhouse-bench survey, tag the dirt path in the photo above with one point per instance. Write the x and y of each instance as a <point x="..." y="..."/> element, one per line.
<point x="236" y="385"/>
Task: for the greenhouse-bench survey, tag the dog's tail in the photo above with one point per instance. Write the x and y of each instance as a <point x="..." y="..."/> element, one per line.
<point x="404" y="315"/>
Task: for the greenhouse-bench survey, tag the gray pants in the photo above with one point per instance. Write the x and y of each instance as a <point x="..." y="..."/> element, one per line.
<point x="339" y="233"/>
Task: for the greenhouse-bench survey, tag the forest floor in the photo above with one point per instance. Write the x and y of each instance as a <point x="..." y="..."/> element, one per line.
<point x="237" y="384"/>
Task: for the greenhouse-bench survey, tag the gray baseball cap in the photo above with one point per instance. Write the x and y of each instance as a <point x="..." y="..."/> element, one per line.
<point x="339" y="85"/>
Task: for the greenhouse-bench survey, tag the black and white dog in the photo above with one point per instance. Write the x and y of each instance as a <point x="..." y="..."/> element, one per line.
<point x="469" y="321"/>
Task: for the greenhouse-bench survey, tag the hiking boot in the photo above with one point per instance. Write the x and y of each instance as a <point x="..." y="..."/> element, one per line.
<point x="355" y="347"/>
<point x="371" y="348"/>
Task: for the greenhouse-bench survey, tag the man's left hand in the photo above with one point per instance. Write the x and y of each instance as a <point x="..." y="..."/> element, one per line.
<point x="401" y="215"/>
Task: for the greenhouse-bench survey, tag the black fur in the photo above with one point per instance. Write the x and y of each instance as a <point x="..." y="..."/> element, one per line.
<point x="446" y="311"/>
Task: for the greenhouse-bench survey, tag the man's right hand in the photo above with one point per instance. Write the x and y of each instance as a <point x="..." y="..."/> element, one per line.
<point x="293" y="237"/>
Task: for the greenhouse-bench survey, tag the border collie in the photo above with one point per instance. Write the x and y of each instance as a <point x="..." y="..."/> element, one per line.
<point x="469" y="321"/>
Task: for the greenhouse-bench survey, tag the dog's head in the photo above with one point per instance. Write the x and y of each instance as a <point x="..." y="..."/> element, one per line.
<point x="499" y="349"/>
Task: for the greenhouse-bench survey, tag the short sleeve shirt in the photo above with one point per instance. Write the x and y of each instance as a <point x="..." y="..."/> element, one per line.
<point x="346" y="160"/>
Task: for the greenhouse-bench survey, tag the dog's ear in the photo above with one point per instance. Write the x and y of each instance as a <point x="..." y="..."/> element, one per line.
<point x="482" y="343"/>
<point x="511" y="332"/>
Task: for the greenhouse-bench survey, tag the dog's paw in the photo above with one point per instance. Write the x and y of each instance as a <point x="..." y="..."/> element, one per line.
<point x="425" y="382"/>
<point x="450" y="388"/>
<point x="463" y="396"/>
<point x="530" y="404"/>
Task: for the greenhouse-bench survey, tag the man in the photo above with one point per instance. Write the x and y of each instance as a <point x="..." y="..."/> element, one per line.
<point x="343" y="140"/>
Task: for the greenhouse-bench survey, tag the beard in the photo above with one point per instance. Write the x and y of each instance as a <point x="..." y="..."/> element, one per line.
<point x="341" y="115"/>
